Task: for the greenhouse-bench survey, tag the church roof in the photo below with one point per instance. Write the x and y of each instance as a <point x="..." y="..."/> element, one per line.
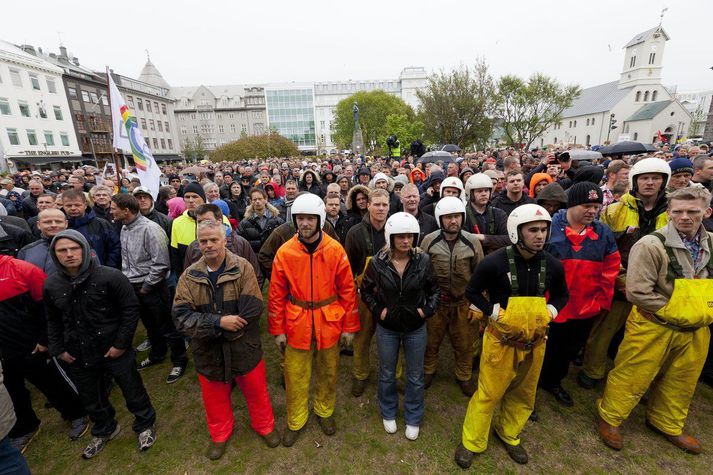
<point x="649" y="111"/>
<point x="150" y="75"/>
<point x="641" y="37"/>
<point x="596" y="99"/>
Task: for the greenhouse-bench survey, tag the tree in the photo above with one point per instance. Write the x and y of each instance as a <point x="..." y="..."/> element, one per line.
<point x="374" y="108"/>
<point x="457" y="107"/>
<point x="256" y="146"/>
<point x="698" y="118"/>
<point x="529" y="108"/>
<point x="194" y="149"/>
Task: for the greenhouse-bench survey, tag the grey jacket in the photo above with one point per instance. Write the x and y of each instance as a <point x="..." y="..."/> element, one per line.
<point x="7" y="410"/>
<point x="144" y="252"/>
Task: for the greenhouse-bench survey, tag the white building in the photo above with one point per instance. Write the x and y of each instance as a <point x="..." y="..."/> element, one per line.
<point x="698" y="104"/>
<point x="638" y="102"/>
<point x="35" y="120"/>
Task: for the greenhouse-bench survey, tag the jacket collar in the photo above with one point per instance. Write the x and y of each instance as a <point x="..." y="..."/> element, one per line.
<point x="198" y="272"/>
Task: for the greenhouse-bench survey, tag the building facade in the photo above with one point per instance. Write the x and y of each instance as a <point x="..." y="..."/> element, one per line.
<point x="35" y="120"/>
<point x="698" y="104"/>
<point x="638" y="103"/>
<point x="290" y="111"/>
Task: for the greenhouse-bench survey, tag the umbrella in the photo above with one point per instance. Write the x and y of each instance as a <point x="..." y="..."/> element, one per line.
<point x="579" y="154"/>
<point x="450" y="148"/>
<point x="433" y="157"/>
<point x="194" y="170"/>
<point x="627" y="148"/>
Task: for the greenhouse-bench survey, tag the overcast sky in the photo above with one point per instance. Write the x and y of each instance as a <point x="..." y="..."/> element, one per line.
<point x="235" y="42"/>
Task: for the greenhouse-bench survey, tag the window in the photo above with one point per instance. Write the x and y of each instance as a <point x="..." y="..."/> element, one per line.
<point x="587" y="122"/>
<point x="233" y="129"/>
<point x="219" y="116"/>
<point x="231" y="116"/>
<point x="163" y="144"/>
<point x="193" y="116"/>
<point x="638" y="96"/>
<point x="72" y="92"/>
<point x="24" y="109"/>
<point x="646" y="96"/>
<point x="160" y="125"/>
<point x="221" y="129"/>
<point x="15" y="78"/>
<point x="636" y="136"/>
<point x="49" y="138"/>
<point x="570" y="124"/>
<point x="652" y="58"/>
<point x="575" y="123"/>
<point x="143" y="123"/>
<point x="148" y="106"/>
<point x="243" y="128"/>
<point x="155" y="106"/>
<point x="130" y="101"/>
<point x="163" y="109"/>
<point x="58" y="113"/>
<point x="653" y="95"/>
<point x="195" y="129"/>
<point x="85" y="96"/>
<point x="95" y="98"/>
<point x="64" y="138"/>
<point x="256" y="115"/>
<point x="51" y="86"/>
<point x="35" y="82"/>
<point x="632" y="62"/>
<point x="41" y="109"/>
<point x="592" y="120"/>
<point x="155" y="140"/>
<point x="165" y="126"/>
<point x="152" y="124"/>
<point x="183" y="131"/>
<point x="105" y="100"/>
<point x="140" y="103"/>
<point x="31" y="137"/>
<point x="4" y="106"/>
<point x="170" y="144"/>
<point x="588" y="140"/>
<point x="13" y="137"/>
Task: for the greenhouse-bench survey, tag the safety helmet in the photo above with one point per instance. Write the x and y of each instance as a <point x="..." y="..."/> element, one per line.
<point x="449" y="205"/>
<point x="649" y="165"/>
<point x="523" y="214"/>
<point x="452" y="182"/>
<point x="477" y="181"/>
<point x="401" y="223"/>
<point x="308" y="203"/>
<point x="142" y="190"/>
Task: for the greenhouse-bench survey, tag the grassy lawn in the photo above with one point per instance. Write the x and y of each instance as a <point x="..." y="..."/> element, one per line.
<point x="563" y="441"/>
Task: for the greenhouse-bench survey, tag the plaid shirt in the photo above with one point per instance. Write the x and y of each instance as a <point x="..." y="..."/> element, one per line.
<point x="694" y="247"/>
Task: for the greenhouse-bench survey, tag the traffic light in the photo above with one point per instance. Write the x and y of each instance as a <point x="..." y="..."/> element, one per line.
<point x="612" y="122"/>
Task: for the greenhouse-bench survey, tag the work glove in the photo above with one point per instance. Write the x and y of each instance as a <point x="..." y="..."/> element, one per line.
<point x="552" y="311"/>
<point x="281" y="342"/>
<point x="474" y="314"/>
<point x="497" y="313"/>
<point x="346" y="339"/>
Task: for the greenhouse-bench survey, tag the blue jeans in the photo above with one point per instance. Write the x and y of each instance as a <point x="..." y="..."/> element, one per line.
<point x="11" y="460"/>
<point x="387" y="343"/>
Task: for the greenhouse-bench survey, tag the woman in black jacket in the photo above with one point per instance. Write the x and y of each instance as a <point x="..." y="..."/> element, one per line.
<point x="400" y="290"/>
<point x="238" y="196"/>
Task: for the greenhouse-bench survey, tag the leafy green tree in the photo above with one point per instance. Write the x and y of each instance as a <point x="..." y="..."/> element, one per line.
<point x="374" y="108"/>
<point x="256" y="146"/>
<point x="529" y="108"/>
<point x="194" y="149"/>
<point x="457" y="107"/>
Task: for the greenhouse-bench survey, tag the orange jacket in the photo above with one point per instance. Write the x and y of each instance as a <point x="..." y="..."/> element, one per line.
<point x="312" y="278"/>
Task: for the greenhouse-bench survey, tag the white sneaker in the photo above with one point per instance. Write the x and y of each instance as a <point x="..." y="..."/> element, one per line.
<point x="390" y="426"/>
<point x="412" y="432"/>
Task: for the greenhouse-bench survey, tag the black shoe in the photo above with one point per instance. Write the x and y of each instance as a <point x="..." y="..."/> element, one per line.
<point x="464" y="457"/>
<point x="290" y="437"/>
<point x="329" y="427"/>
<point x="78" y="427"/>
<point x="358" y="386"/>
<point x="272" y="439"/>
<point x="534" y="417"/>
<point x="585" y="381"/>
<point x="176" y="373"/>
<point x="347" y="351"/>
<point x="516" y="452"/>
<point x="561" y="396"/>
<point x="147" y="363"/>
<point x="468" y="387"/>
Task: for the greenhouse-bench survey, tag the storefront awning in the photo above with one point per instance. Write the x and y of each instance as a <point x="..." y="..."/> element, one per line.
<point x="47" y="159"/>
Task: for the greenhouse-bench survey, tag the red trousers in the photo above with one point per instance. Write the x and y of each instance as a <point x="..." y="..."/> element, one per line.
<point x="219" y="410"/>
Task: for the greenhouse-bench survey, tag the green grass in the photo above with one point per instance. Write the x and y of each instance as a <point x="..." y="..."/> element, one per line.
<point x="564" y="441"/>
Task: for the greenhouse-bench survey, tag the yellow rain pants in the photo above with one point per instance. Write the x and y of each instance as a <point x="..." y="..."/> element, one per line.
<point x="298" y="373"/>
<point x="462" y="332"/>
<point x="605" y="327"/>
<point x="665" y="358"/>
<point x="508" y="374"/>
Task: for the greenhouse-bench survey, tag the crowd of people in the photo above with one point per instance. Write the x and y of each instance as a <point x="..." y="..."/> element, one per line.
<point x="529" y="262"/>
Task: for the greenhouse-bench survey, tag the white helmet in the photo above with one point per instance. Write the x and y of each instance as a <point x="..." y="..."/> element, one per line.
<point x="308" y="203"/>
<point x="528" y="213"/>
<point x="452" y="182"/>
<point x="449" y="205"/>
<point x="649" y="165"/>
<point x="401" y="223"/>
<point x="477" y="181"/>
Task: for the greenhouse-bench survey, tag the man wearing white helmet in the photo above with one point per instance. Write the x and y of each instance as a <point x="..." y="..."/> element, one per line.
<point x="639" y="212"/>
<point x="311" y="309"/>
<point x="455" y="254"/>
<point x="516" y="280"/>
<point x="489" y="224"/>
<point x="451" y="186"/>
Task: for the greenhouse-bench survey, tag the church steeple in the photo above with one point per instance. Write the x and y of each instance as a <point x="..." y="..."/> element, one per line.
<point x="149" y="74"/>
<point x="643" y="58"/>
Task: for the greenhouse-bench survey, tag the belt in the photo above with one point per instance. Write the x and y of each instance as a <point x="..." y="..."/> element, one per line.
<point x="653" y="318"/>
<point x="519" y="344"/>
<point x="308" y="305"/>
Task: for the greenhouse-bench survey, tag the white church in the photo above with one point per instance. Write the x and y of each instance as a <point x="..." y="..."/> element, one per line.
<point x="638" y="103"/>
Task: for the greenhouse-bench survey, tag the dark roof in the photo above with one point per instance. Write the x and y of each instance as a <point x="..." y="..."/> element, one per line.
<point x="596" y="99"/>
<point x="641" y="37"/>
<point x="649" y="111"/>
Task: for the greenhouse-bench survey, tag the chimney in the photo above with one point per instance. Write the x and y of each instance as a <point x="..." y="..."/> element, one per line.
<point x="62" y="51"/>
<point x="29" y="49"/>
<point x="39" y="50"/>
<point x="75" y="60"/>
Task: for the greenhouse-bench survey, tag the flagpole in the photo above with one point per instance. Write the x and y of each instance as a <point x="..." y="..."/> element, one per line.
<point x="113" y="150"/>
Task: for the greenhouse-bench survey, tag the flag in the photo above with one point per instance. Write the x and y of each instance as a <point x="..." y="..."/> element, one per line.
<point x="126" y="131"/>
<point x="661" y="138"/>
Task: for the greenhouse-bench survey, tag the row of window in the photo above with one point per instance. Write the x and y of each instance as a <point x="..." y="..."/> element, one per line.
<point x="90" y="97"/>
<point x="24" y="109"/>
<point x="210" y="129"/>
<point x="646" y="96"/>
<point x="209" y="115"/>
<point x="14" y="137"/>
<point x="16" y="78"/>
<point x="153" y="124"/>
<point x="140" y="105"/>
<point x="652" y="59"/>
<point x="162" y="142"/>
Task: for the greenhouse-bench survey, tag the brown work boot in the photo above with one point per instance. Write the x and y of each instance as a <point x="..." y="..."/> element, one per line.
<point x="464" y="457"/>
<point x="328" y="425"/>
<point x="468" y="387"/>
<point x="216" y="450"/>
<point x="683" y="441"/>
<point x="272" y="439"/>
<point x="611" y="436"/>
<point x="428" y="380"/>
<point x="290" y="437"/>
<point x="358" y="386"/>
<point x="516" y="452"/>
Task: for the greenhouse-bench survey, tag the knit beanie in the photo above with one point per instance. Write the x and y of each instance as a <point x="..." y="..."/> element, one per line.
<point x="194" y="187"/>
<point x="584" y="193"/>
<point x="680" y="165"/>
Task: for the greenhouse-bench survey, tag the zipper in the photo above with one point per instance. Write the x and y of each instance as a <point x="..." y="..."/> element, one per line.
<point x="311" y="295"/>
